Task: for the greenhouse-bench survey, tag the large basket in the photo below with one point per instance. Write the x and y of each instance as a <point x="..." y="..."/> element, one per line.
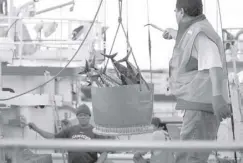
<point x="122" y="110"/>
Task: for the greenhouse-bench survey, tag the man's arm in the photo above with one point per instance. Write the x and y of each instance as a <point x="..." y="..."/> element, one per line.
<point x="48" y="135"/>
<point x="220" y="105"/>
<point x="209" y="60"/>
<point x="43" y="133"/>
<point x="216" y="75"/>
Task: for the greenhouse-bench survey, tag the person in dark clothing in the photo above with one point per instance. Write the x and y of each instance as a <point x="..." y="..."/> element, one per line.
<point x="82" y="131"/>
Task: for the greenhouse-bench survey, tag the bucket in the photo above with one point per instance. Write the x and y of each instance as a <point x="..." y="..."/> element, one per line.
<point x="122" y="110"/>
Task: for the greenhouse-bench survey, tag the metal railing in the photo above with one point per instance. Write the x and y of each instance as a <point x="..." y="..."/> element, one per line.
<point x="119" y="145"/>
<point x="61" y="37"/>
<point x="123" y="145"/>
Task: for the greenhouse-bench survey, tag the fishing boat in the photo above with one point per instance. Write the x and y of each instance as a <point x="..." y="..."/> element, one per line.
<point x="41" y="58"/>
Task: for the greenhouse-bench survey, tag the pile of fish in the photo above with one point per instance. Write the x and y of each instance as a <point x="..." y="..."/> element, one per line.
<point x="125" y="75"/>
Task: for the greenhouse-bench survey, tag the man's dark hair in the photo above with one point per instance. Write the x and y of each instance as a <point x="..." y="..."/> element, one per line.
<point x="157" y="122"/>
<point x="163" y="126"/>
<point x="193" y="11"/>
<point x="191" y="7"/>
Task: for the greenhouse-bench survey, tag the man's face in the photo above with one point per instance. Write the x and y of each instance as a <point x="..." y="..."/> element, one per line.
<point x="83" y="119"/>
<point x="179" y="15"/>
<point x="154" y="127"/>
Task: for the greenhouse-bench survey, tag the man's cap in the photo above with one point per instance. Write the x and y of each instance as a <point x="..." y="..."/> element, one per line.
<point x="83" y="109"/>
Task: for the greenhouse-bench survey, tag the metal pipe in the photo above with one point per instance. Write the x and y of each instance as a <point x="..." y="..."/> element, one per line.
<point x="121" y="145"/>
<point x="1" y="78"/>
<point x="25" y="5"/>
<point x="55" y="7"/>
<point x="52" y="19"/>
<point x="45" y="43"/>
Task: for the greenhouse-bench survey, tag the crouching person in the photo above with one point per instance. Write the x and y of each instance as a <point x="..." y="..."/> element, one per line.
<point x="160" y="134"/>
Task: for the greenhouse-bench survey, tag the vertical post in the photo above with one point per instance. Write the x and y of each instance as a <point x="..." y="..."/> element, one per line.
<point x="1" y="77"/>
<point x="204" y="6"/>
<point x="15" y="155"/>
<point x="2" y="153"/>
<point x="21" y="43"/>
<point x="217" y="17"/>
<point x="236" y="80"/>
<point x="69" y="33"/>
<point x="10" y="20"/>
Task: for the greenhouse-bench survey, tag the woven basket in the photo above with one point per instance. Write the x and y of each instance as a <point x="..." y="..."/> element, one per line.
<point x="122" y="110"/>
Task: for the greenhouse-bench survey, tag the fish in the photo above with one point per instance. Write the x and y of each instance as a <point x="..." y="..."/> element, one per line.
<point x="128" y="75"/>
<point x="77" y="32"/>
<point x="124" y="75"/>
<point x="89" y="65"/>
<point x="110" y="78"/>
<point x="94" y="78"/>
<point x="85" y="69"/>
<point x="118" y="67"/>
<point x="91" y="72"/>
<point x="132" y="72"/>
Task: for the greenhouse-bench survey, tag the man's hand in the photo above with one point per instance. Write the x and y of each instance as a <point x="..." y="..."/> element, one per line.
<point x="138" y="158"/>
<point x="221" y="108"/>
<point x="102" y="157"/>
<point x="170" y="34"/>
<point x="32" y="126"/>
<point x="220" y="105"/>
<point x="137" y="155"/>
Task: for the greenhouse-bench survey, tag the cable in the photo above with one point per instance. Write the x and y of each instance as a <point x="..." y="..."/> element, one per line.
<point x="127" y="13"/>
<point x="97" y="12"/>
<point x="149" y="44"/>
<point x="104" y="34"/>
<point x="231" y="107"/>
<point x="117" y="30"/>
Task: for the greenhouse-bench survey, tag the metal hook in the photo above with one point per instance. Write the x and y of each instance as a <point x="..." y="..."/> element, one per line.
<point x="155" y="26"/>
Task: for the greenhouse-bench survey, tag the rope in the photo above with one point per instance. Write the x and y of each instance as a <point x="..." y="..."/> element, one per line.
<point x="117" y="30"/>
<point x="81" y="45"/>
<point x="127" y="27"/>
<point x="231" y="107"/>
<point x="104" y="39"/>
<point x="149" y="43"/>
<point x="129" y="45"/>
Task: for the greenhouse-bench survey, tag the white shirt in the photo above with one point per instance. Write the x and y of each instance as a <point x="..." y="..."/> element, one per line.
<point x="161" y="156"/>
<point x="208" y="53"/>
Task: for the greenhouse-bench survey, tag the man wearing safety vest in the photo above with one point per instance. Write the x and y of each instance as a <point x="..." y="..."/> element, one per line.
<point x="198" y="77"/>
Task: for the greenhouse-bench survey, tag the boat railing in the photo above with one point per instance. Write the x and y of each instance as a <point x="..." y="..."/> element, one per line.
<point x="26" y="37"/>
<point x="120" y="145"/>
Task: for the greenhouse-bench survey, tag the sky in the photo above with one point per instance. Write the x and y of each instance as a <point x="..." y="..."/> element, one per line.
<point x="161" y="13"/>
